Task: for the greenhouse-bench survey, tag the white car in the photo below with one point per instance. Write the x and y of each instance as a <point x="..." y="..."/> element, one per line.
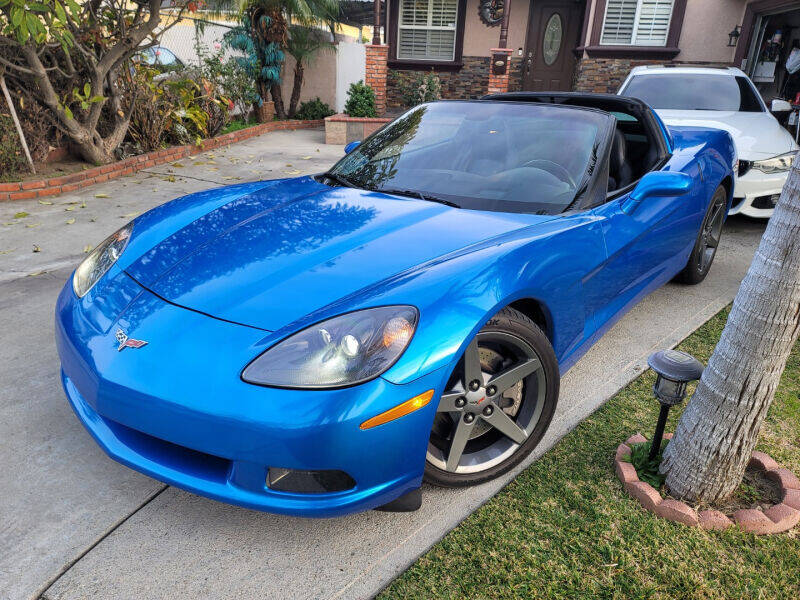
<point x="724" y="98"/>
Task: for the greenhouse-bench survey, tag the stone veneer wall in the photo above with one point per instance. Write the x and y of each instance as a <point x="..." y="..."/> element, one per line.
<point x="607" y="74"/>
<point x="471" y="81"/>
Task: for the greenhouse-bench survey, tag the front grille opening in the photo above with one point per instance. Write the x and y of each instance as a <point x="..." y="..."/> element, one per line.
<point x="309" y="482"/>
<point x="173" y="456"/>
<point x="766" y="201"/>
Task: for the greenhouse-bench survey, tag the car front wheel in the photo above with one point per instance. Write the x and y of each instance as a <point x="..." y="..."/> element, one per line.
<point x="498" y="404"/>
<point x="705" y="247"/>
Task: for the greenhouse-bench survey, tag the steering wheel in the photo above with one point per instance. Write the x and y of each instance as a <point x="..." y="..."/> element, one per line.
<point x="555" y="169"/>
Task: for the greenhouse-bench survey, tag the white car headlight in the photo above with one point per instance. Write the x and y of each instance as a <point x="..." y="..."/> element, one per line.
<point x="342" y="351"/>
<point x="100" y="260"/>
<point x="776" y="164"/>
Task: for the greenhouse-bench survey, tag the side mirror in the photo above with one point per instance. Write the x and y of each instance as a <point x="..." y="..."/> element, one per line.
<point x="657" y="183"/>
<point x="351" y="146"/>
<point x="779" y="105"/>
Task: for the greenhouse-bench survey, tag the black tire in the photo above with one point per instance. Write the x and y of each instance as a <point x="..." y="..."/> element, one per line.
<point x="530" y="389"/>
<point x="702" y="256"/>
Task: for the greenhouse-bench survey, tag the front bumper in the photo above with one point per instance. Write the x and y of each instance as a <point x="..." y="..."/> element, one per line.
<point x="177" y="410"/>
<point x="752" y="192"/>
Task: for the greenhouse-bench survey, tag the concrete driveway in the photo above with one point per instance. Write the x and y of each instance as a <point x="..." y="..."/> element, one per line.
<point x="74" y="524"/>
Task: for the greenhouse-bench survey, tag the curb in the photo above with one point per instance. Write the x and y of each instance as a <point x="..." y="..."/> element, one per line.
<point x="775" y="519"/>
<point x="40" y="188"/>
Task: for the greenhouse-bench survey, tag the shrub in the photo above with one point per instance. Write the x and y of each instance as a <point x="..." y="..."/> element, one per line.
<point x="313" y="110"/>
<point x="360" y="101"/>
<point x="420" y="88"/>
<point x="232" y="80"/>
<point x="173" y="111"/>
<point x="12" y="160"/>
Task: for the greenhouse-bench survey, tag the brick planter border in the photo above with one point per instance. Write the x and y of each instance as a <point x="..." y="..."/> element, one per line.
<point x="39" y="188"/>
<point x="775" y="519"/>
<point x="343" y="129"/>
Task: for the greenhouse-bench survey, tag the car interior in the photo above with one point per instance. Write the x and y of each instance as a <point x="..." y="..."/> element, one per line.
<point x="637" y="146"/>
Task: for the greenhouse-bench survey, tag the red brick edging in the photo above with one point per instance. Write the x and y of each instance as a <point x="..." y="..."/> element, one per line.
<point x="39" y="188"/>
<point x="775" y="519"/>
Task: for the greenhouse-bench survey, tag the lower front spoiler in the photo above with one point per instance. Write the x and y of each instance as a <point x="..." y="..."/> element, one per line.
<point x="218" y="478"/>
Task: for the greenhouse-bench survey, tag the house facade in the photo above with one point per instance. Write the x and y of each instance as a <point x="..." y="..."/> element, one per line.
<point x="584" y="45"/>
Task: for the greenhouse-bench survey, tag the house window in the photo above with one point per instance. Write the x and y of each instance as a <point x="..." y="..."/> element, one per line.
<point x="636" y="22"/>
<point x="427" y="30"/>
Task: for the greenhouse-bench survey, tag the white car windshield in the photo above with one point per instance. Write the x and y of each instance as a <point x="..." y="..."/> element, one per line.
<point x="687" y="91"/>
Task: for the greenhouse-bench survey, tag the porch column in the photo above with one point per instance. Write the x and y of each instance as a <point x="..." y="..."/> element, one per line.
<point x="499" y="70"/>
<point x="500" y="67"/>
<point x="376" y="73"/>
<point x="376" y="25"/>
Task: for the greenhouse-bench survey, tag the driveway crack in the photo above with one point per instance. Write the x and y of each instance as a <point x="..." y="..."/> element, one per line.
<point x="41" y="593"/>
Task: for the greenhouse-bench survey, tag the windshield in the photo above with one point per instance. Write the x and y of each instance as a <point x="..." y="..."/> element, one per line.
<point x="686" y="91"/>
<point x="502" y="156"/>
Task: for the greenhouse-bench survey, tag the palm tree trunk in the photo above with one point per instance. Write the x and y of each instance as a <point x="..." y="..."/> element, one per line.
<point x="297" y="85"/>
<point x="718" y="430"/>
<point x="277" y="98"/>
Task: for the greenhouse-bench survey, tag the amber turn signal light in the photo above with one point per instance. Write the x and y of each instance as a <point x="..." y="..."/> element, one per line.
<point x="401" y="410"/>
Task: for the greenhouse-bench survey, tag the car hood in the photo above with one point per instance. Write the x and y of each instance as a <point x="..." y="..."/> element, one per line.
<point x="756" y="135"/>
<point x="274" y="255"/>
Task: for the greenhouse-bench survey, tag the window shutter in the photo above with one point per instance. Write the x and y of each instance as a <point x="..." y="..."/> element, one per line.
<point x="653" y="26"/>
<point x="619" y="21"/>
<point x="427" y="29"/>
<point x="413" y="12"/>
<point x="443" y="13"/>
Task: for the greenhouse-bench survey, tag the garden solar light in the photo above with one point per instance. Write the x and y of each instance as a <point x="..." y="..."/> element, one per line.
<point x="674" y="369"/>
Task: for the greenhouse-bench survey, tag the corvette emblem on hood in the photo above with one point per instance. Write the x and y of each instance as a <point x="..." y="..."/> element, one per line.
<point x="127" y="342"/>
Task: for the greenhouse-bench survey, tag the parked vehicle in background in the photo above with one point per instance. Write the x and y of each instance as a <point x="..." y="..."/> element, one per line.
<point x="160" y="58"/>
<point x="724" y="98"/>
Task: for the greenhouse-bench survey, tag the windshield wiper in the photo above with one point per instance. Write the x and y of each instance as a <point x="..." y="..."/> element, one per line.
<point x="339" y="179"/>
<point x="420" y="195"/>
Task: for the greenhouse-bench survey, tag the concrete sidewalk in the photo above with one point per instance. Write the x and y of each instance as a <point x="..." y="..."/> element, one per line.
<point x="76" y="525"/>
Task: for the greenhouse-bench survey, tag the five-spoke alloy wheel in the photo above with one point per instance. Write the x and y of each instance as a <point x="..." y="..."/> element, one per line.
<point x="498" y="403"/>
<point x="705" y="248"/>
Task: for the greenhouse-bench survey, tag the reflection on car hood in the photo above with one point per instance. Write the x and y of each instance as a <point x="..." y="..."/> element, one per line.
<point x="756" y="135"/>
<point x="276" y="254"/>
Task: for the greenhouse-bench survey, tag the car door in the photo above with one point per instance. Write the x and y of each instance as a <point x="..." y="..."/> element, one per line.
<point x="645" y="247"/>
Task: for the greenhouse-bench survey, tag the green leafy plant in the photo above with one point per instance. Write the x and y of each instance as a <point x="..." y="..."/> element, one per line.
<point x="360" y="101"/>
<point x="417" y="88"/>
<point x="647" y="469"/>
<point x="71" y="58"/>
<point x="313" y="110"/>
<point x="230" y="78"/>
<point x="12" y="160"/>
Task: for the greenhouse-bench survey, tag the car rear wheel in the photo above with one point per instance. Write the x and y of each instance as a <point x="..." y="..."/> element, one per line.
<point x="498" y="404"/>
<point x="705" y="247"/>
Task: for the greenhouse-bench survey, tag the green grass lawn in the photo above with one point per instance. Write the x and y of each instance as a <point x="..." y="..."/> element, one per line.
<point x="566" y="529"/>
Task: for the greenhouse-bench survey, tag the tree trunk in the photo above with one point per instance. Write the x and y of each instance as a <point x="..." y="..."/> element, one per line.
<point x="718" y="430"/>
<point x="277" y="98"/>
<point x="297" y="86"/>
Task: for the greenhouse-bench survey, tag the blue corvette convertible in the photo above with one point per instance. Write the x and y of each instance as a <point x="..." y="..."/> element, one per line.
<point x="321" y="345"/>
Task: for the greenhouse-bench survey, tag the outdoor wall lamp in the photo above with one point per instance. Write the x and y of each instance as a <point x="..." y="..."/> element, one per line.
<point x="733" y="36"/>
<point x="674" y="369"/>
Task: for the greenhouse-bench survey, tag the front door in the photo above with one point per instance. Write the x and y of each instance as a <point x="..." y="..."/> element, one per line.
<point x="553" y="30"/>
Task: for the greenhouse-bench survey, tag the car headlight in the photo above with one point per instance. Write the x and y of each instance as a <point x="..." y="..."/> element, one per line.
<point x="776" y="164"/>
<point x="100" y="260"/>
<point x="345" y="350"/>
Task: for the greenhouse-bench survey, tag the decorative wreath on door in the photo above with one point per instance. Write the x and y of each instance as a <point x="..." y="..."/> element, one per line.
<point x="491" y="11"/>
